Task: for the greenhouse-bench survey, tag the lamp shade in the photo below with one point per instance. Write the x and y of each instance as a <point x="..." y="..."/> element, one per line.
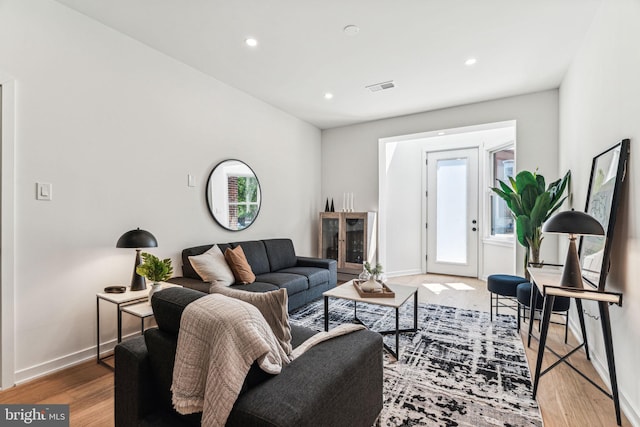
<point x="137" y="239"/>
<point x="573" y="222"/>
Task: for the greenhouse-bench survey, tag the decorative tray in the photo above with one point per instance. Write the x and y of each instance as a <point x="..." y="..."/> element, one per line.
<point x="386" y="292"/>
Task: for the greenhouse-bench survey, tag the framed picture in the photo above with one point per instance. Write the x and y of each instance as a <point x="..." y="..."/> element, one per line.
<point x="608" y="172"/>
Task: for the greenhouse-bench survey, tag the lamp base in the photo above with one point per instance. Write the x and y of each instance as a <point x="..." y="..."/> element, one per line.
<point x="137" y="281"/>
<point x="571" y="273"/>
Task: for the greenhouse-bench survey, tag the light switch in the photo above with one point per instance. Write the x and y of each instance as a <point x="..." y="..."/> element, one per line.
<point x="191" y="180"/>
<point x="44" y="191"/>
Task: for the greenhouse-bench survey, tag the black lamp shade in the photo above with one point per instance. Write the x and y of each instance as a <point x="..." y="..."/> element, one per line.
<point x="573" y="222"/>
<point x="137" y="239"/>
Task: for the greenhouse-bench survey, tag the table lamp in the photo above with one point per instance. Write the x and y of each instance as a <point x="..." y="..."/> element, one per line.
<point x="573" y="223"/>
<point x="137" y="239"/>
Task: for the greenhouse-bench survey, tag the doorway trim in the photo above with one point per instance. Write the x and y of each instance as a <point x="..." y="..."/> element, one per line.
<point x="437" y="140"/>
<point x="7" y="233"/>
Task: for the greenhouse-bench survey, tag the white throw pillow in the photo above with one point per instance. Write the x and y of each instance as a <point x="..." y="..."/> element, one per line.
<point x="212" y="267"/>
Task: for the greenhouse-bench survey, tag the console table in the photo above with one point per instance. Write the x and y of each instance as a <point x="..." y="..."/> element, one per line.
<point x="547" y="280"/>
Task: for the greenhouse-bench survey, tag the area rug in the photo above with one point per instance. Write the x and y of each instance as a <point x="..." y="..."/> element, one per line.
<point x="459" y="369"/>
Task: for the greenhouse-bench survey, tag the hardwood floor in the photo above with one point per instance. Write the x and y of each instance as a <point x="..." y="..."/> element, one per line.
<point x="565" y="398"/>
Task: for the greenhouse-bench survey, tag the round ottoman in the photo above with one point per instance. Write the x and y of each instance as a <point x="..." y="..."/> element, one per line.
<point x="560" y="304"/>
<point x="502" y="285"/>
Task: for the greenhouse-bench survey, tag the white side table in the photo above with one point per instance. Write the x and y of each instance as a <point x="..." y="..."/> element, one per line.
<point x="131" y="302"/>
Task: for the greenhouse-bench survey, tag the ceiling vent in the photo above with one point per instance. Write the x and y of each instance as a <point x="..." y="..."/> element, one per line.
<point x="381" y="86"/>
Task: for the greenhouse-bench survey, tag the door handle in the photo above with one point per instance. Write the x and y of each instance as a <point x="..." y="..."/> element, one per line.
<point x="473" y="229"/>
<point x="474" y="221"/>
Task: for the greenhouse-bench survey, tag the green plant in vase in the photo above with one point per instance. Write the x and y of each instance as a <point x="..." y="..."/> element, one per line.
<point x="154" y="269"/>
<point x="531" y="204"/>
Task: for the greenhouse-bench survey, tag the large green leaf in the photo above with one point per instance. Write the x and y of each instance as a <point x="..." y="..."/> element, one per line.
<point x="529" y="196"/>
<point x="539" y="211"/>
<point x="523" y="230"/>
<point x="524" y="179"/>
<point x="540" y="181"/>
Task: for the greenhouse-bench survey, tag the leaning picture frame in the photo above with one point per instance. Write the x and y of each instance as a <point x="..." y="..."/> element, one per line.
<point x="608" y="172"/>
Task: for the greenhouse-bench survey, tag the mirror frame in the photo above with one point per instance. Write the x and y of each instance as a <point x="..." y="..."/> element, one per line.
<point x="209" y="201"/>
<point x="598" y="279"/>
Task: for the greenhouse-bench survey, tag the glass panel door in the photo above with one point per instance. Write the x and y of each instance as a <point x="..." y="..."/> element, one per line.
<point x="354" y="240"/>
<point x="452" y="210"/>
<point x="330" y="238"/>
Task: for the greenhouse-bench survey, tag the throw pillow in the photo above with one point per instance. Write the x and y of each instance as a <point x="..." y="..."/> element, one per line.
<point x="274" y="308"/>
<point x="239" y="265"/>
<point x="213" y="267"/>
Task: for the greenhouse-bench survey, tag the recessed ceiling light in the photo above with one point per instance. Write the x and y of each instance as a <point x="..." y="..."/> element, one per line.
<point x="328" y="95"/>
<point x="251" y="42"/>
<point x="351" y="30"/>
<point x="440" y="133"/>
<point x="471" y="61"/>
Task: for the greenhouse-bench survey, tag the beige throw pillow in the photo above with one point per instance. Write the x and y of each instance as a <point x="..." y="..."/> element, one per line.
<point x="239" y="265"/>
<point x="273" y="305"/>
<point x="213" y="267"/>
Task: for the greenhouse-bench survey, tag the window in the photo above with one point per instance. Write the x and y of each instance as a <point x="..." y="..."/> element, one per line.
<point x="243" y="200"/>
<point x="502" y="165"/>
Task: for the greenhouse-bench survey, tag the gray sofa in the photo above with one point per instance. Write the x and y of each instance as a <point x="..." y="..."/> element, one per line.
<point x="335" y="383"/>
<point x="276" y="265"/>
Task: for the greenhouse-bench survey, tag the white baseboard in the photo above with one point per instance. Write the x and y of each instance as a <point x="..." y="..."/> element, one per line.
<point x="403" y="273"/>
<point x="65" y="362"/>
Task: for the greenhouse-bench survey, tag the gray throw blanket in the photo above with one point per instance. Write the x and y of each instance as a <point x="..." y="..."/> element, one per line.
<point x="219" y="339"/>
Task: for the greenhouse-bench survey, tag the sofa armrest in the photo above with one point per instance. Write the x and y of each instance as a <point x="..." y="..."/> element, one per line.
<point x="134" y="387"/>
<point x="335" y="383"/>
<point x="187" y="282"/>
<point x="329" y="264"/>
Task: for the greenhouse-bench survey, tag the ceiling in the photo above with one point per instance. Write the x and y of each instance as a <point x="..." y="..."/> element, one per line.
<point x="521" y="46"/>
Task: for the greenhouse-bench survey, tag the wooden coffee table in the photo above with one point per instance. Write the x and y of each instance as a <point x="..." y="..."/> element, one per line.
<point x="402" y="295"/>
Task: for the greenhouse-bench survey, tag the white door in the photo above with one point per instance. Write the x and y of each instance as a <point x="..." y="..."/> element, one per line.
<point x="452" y="212"/>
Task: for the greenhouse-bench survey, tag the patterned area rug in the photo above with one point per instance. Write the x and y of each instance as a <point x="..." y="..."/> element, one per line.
<point x="459" y="369"/>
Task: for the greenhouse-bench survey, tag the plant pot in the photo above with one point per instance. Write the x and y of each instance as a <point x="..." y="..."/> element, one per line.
<point x="155" y="287"/>
<point x="371" y="285"/>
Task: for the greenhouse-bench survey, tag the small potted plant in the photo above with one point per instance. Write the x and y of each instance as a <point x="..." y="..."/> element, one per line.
<point x="154" y="269"/>
<point x="373" y="275"/>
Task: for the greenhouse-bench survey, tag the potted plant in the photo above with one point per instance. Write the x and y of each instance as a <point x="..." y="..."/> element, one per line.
<point x="372" y="277"/>
<point x="154" y="269"/>
<point x="531" y="204"/>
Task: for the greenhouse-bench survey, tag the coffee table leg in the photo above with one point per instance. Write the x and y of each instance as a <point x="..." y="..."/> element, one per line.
<point x="415" y="311"/>
<point x="326" y="314"/>
<point x="397" y="335"/>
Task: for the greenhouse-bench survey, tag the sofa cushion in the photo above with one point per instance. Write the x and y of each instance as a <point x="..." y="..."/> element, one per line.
<point x="213" y="267"/>
<point x="293" y="283"/>
<point x="316" y="276"/>
<point x="281" y="253"/>
<point x="168" y="305"/>
<point x="187" y="268"/>
<point x="238" y="263"/>
<point x="256" y="255"/>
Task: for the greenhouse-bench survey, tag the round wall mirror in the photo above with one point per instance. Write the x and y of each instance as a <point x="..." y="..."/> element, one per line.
<point x="233" y="195"/>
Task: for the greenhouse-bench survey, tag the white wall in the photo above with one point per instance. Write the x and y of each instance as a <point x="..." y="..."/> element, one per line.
<point x="350" y="153"/>
<point x="404" y="187"/>
<point x="599" y="106"/>
<point x="116" y="127"/>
